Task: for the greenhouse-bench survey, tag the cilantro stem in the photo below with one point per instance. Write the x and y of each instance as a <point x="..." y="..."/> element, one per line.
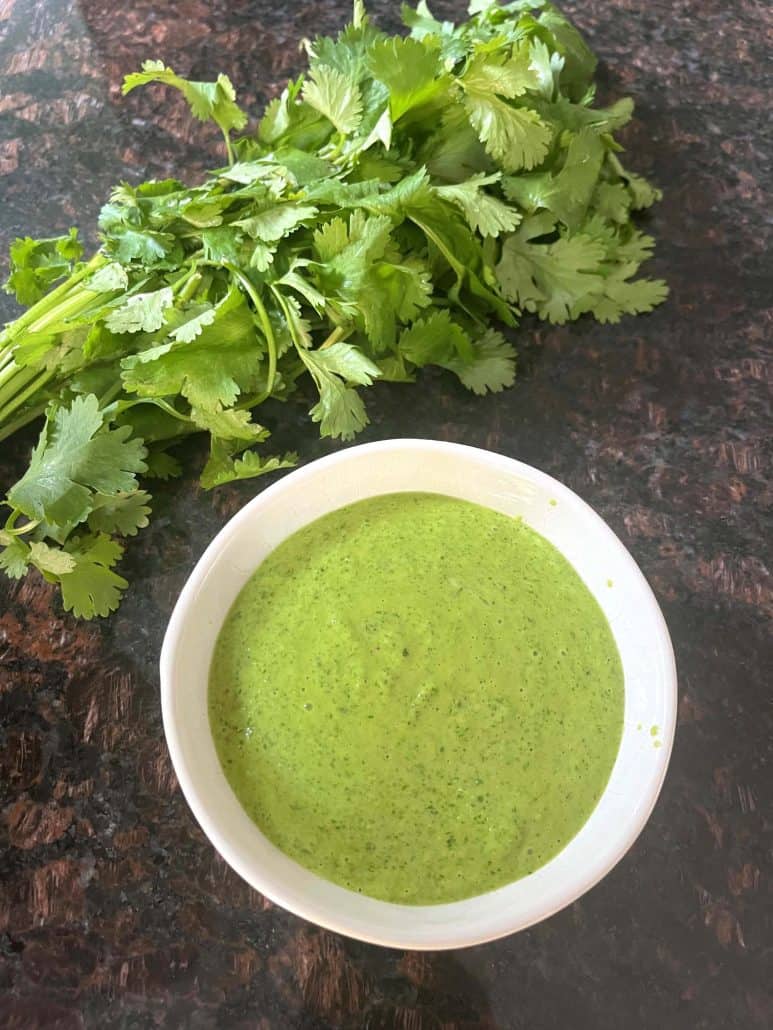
<point x="108" y="396"/>
<point x="120" y="406"/>
<point x="47" y="303"/>
<point x="74" y="304"/>
<point x="190" y="287"/>
<point x="334" y="337"/>
<point x="265" y="323"/>
<point x="228" y="147"/>
<point x="20" y="398"/>
<point x="10" y="526"/>
<point x="7" y="371"/>
<point x="282" y="302"/>
<point x="21" y="421"/>
<point x="14" y="378"/>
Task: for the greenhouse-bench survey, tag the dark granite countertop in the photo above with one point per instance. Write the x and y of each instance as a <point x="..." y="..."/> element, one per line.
<point x="114" y="909"/>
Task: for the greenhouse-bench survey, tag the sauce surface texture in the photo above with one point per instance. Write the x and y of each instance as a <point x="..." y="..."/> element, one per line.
<point x="417" y="698"/>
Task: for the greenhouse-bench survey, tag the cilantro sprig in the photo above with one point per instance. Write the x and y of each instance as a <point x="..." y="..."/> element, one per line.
<point x="394" y="208"/>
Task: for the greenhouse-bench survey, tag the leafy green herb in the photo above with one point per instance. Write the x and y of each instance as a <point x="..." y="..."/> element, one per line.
<point x="391" y="204"/>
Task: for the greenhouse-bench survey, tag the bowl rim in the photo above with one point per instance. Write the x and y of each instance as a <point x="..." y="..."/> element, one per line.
<point x="328" y="918"/>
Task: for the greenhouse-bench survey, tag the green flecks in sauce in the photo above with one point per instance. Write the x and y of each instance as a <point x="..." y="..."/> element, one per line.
<point x="417" y="698"/>
<point x="552" y="502"/>
<point x="610" y="583"/>
<point x="654" y="731"/>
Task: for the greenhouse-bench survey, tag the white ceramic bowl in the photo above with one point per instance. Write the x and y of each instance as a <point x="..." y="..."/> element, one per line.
<point x="504" y="485"/>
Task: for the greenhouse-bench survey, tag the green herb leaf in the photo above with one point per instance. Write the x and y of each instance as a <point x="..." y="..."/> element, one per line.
<point x="37" y="264"/>
<point x="222" y="467"/>
<point x="514" y="136"/>
<point x="492" y="368"/>
<point x="208" y="101"/>
<point x="141" y="312"/>
<point x="335" y="96"/>
<point x="123" y="513"/>
<point x="76" y="457"/>
<point x="484" y="213"/>
<point x="340" y="410"/>
<point x="92" y="588"/>
<point x="409" y="70"/>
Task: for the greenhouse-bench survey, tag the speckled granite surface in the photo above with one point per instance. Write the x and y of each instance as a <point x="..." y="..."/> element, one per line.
<point x="114" y="910"/>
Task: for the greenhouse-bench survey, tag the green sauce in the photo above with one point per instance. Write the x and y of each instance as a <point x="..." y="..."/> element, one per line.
<point x="417" y="698"/>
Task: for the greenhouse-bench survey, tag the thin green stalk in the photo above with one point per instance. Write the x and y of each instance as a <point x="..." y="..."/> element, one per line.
<point x="228" y="147"/>
<point x="190" y="287"/>
<point x="11" y="528"/>
<point x="17" y="380"/>
<point x="73" y="305"/>
<point x="50" y="300"/>
<point x="120" y="406"/>
<point x="21" y="421"/>
<point x="109" y="395"/>
<point x="7" y="372"/>
<point x="265" y="323"/>
<point x="335" y="337"/>
<point x="20" y="398"/>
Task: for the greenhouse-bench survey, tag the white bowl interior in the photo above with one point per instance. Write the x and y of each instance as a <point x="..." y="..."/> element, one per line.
<point x="496" y="482"/>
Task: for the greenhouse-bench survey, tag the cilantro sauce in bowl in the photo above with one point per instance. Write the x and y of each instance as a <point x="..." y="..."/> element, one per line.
<point x="417" y="698"/>
<point x="408" y="693"/>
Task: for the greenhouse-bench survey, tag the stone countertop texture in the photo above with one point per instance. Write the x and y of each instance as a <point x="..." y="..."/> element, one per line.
<point x="114" y="909"/>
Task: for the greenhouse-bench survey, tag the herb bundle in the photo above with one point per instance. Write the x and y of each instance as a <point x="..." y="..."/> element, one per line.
<point x="396" y="203"/>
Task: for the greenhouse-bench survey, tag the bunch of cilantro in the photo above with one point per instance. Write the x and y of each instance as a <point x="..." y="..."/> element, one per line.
<point x="395" y="203"/>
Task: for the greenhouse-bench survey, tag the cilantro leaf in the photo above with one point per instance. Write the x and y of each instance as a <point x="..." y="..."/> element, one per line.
<point x="141" y="245"/>
<point x="229" y="424"/>
<point x="275" y="222"/>
<point x="489" y="73"/>
<point x="340" y="410"/>
<point x="617" y="295"/>
<point x="123" y="513"/>
<point x="51" y="561"/>
<point x="390" y="294"/>
<point x="76" y="457"/>
<point x="331" y="238"/>
<point x="189" y="368"/>
<point x="208" y="101"/>
<point x="195" y="318"/>
<point x="550" y="279"/>
<point x="485" y="214"/>
<point x="453" y="152"/>
<point x="37" y="264"/>
<point x="15" y="558"/>
<point x="514" y="136"/>
<point x="92" y="588"/>
<point x="423" y="23"/>
<point x="613" y="201"/>
<point x="409" y="70"/>
<point x="492" y="368"/>
<point x="109" y="277"/>
<point x="568" y="192"/>
<point x="222" y="467"/>
<point x="547" y="66"/>
<point x="162" y="465"/>
<point x="579" y="62"/>
<point x="141" y="312"/>
<point x="335" y="96"/>
<point x="435" y="340"/>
